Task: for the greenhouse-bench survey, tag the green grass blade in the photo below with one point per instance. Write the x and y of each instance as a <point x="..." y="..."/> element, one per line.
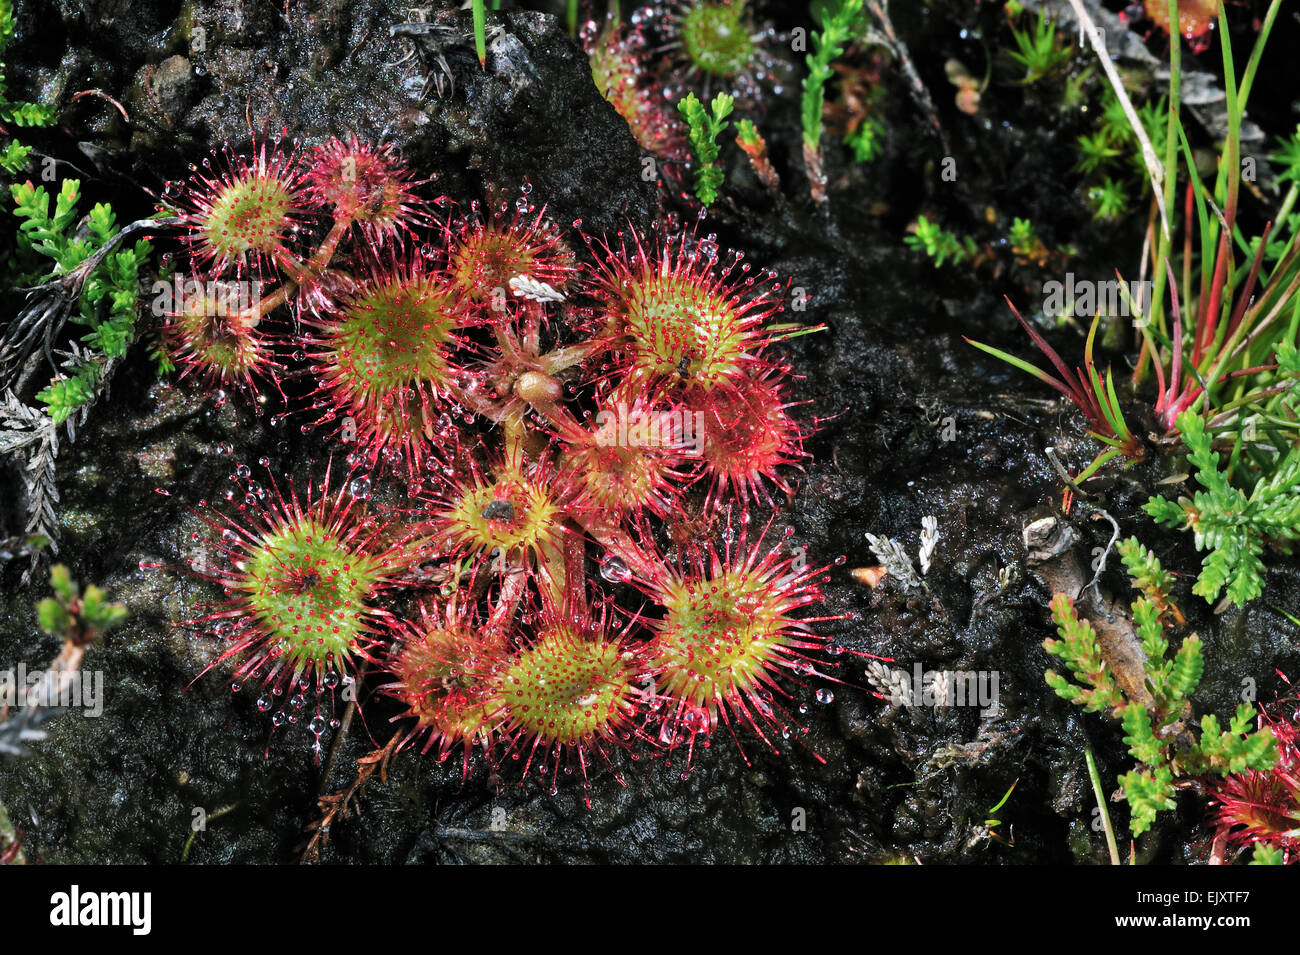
<point x="480" y="30"/>
<point x="1022" y="365"/>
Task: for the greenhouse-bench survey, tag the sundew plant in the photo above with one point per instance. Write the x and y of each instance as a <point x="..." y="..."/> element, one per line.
<point x="544" y="432"/>
<point x="551" y="403"/>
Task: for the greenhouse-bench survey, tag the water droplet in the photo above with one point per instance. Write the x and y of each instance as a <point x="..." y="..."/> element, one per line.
<point x="317" y="724"/>
<point x="824" y="695"/>
<point x="615" y="570"/>
<point x="264" y="703"/>
<point x="360" y="488"/>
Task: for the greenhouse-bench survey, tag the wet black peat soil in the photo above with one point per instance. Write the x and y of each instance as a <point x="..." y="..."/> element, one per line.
<point x="913" y="422"/>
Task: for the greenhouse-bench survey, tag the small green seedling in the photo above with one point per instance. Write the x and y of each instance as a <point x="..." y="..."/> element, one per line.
<point x="992" y="822"/>
<point x="72" y="615"/>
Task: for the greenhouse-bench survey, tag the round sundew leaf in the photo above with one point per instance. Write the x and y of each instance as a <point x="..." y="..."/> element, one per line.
<point x="393" y="335"/>
<point x="625" y="465"/>
<point x="308" y="589"/>
<point x="716" y="39"/>
<point x="366" y="185"/>
<point x="615" y="76"/>
<point x="207" y="332"/>
<point x="719" y="638"/>
<point x="566" y="689"/>
<point x="681" y="327"/>
<point x="619" y="78"/>
<point x="449" y="683"/>
<point x="248" y="215"/>
<point x="748" y="435"/>
<point x="513" y="513"/>
<point x="487" y="259"/>
<point x="619" y="479"/>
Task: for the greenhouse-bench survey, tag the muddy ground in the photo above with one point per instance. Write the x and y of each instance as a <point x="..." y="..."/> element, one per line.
<point x="914" y="422"/>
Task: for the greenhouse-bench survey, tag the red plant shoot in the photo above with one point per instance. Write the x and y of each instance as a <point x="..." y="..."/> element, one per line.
<point x="1262" y="806"/>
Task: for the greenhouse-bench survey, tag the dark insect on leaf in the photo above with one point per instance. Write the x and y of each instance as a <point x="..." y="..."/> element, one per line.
<point x="499" y="511"/>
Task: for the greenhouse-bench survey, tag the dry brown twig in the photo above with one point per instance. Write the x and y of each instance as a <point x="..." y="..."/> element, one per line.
<point x="339" y="805"/>
<point x="104" y="96"/>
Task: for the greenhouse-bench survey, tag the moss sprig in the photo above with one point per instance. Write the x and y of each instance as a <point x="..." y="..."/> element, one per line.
<point x="839" y="24"/>
<point x="1158" y="739"/>
<point x="108" y="304"/>
<point x="704" y="130"/>
<point x="73" y="615"/>
<point x="1232" y="525"/>
<point x="13" y="156"/>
